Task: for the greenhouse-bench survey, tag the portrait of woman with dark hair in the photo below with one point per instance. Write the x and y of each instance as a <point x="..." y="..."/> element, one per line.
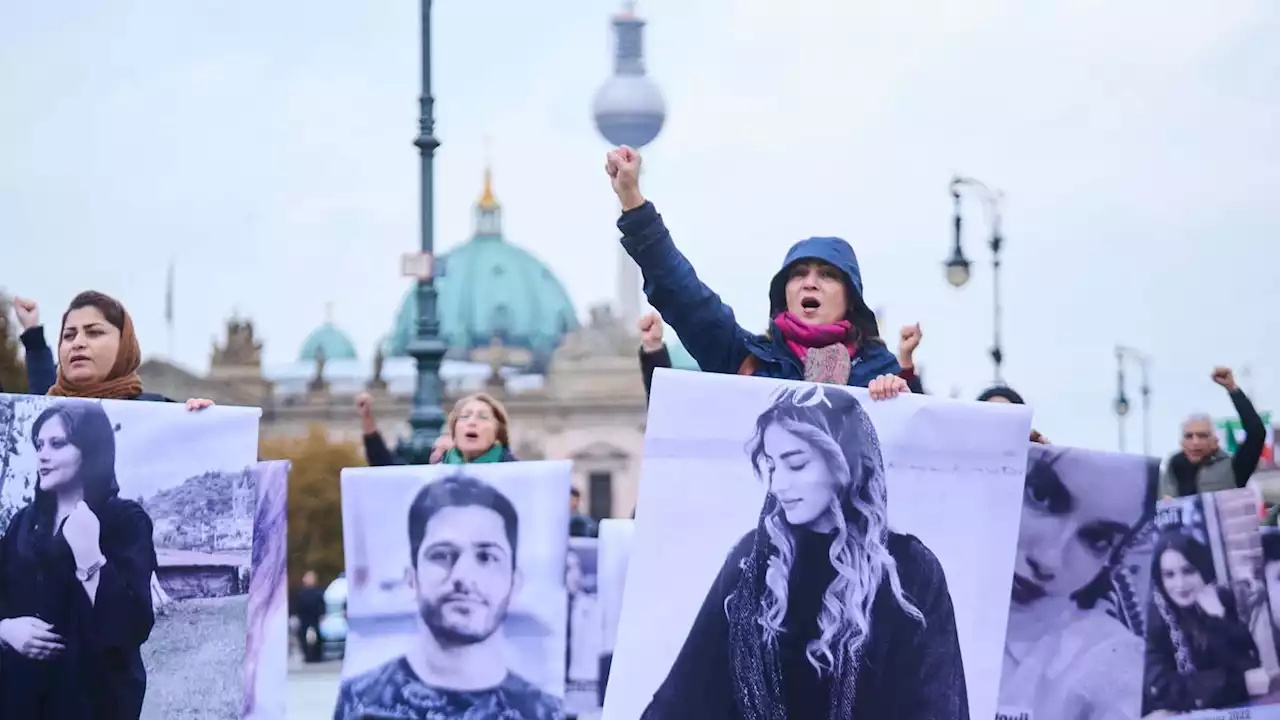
<point x="1074" y="647"/>
<point x="75" y="572"/>
<point x="1200" y="653"/>
<point x="821" y="611"/>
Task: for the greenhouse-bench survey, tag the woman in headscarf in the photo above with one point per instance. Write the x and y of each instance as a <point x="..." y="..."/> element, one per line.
<point x="820" y="329"/>
<point x="98" y="352"/>
<point x="75" y="571"/>
<point x="821" y="612"/>
<point x="1074" y="648"/>
<point x="1200" y="653"/>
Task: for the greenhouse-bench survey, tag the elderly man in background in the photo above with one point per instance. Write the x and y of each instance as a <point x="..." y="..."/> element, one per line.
<point x="1202" y="466"/>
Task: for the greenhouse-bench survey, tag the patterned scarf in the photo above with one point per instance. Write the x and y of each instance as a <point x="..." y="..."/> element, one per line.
<point x="1181" y="651"/>
<point x="825" y="350"/>
<point x="121" y="383"/>
<point x="757" y="672"/>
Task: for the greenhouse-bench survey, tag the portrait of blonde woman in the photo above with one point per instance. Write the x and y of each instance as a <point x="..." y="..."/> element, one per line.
<point x="821" y="611"/>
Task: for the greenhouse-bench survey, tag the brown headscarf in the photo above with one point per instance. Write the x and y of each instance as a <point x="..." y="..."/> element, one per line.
<point x="122" y="382"/>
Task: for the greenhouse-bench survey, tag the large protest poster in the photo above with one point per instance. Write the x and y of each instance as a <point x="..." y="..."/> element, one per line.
<point x="266" y="661"/>
<point x="1074" y="647"/>
<point x="793" y="537"/>
<point x="1210" y="646"/>
<point x="615" y="551"/>
<point x="124" y="561"/>
<point x="460" y="609"/>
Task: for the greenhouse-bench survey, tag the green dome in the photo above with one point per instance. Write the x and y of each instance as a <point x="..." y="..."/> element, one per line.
<point x="489" y="288"/>
<point x="327" y="338"/>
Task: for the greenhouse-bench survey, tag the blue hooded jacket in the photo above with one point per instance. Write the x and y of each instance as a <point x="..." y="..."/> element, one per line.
<point x="707" y="326"/>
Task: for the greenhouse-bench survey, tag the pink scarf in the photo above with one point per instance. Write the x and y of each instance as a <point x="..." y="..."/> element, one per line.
<point x="801" y="336"/>
<point x="826" y="364"/>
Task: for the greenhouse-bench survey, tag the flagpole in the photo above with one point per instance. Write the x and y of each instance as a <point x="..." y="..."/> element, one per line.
<point x="168" y="309"/>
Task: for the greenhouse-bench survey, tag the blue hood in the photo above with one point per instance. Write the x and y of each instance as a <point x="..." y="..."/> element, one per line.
<point x="834" y="251"/>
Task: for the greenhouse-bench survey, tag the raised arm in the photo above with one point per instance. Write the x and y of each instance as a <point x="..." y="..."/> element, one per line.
<point x="703" y="321"/>
<point x="653" y="351"/>
<point x="1245" y="461"/>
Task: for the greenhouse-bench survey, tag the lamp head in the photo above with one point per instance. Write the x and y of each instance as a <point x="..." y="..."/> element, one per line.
<point x="957" y="268"/>
<point x="1121" y="405"/>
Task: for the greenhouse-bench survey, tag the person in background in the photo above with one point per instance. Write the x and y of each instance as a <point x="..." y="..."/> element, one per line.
<point x="480" y="418"/>
<point x="1005" y="394"/>
<point x="308" y="606"/>
<point x="580" y="525"/>
<point x="820" y="328"/>
<point x="98" y="352"/>
<point x="654" y="353"/>
<point x="1202" y="466"/>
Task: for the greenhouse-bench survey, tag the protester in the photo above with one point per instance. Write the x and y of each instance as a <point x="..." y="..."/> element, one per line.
<point x="476" y="431"/>
<point x="820" y="328"/>
<point x="654" y="353"/>
<point x="580" y="525"/>
<point x="98" y="352"/>
<point x="1202" y="466"/>
<point x="308" y="607"/>
<point x="1005" y="394"/>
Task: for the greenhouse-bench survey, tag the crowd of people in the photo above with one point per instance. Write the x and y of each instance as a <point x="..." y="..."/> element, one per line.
<point x="820" y="329"/>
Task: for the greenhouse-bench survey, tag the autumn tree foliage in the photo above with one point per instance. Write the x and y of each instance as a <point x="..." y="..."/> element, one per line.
<point x="13" y="373"/>
<point x="315" y="501"/>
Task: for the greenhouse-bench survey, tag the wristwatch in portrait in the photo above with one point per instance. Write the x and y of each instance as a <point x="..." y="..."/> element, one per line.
<point x="86" y="574"/>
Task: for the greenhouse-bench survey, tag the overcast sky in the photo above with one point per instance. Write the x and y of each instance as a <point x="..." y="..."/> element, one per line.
<point x="266" y="147"/>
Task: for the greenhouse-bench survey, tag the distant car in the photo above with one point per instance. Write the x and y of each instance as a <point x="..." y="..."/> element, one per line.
<point x="333" y="625"/>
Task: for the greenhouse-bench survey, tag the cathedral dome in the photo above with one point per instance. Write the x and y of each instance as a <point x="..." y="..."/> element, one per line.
<point x="488" y="288"/>
<point x="329" y="340"/>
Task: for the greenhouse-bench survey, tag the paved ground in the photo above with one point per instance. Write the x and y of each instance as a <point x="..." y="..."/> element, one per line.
<point x="312" y="690"/>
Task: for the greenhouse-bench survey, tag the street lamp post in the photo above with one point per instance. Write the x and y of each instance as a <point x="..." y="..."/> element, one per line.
<point x="958" y="266"/>
<point x="427" y="416"/>
<point x="1121" y="404"/>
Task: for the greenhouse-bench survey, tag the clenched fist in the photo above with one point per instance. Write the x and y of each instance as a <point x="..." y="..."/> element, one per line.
<point x="909" y="338"/>
<point x="28" y="313"/>
<point x="1224" y="377"/>
<point x="650" y="332"/>
<point x="623" y="166"/>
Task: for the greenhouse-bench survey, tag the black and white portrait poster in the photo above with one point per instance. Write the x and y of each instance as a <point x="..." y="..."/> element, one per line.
<point x="124" y="559"/>
<point x="266" y="659"/>
<point x="582" y="661"/>
<point x="802" y="551"/>
<point x="1074" y="647"/>
<point x="457" y="607"/>
<point x="1210" y="649"/>
<point x="615" y="551"/>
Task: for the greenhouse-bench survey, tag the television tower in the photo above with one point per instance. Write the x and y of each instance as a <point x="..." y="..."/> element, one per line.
<point x="629" y="110"/>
